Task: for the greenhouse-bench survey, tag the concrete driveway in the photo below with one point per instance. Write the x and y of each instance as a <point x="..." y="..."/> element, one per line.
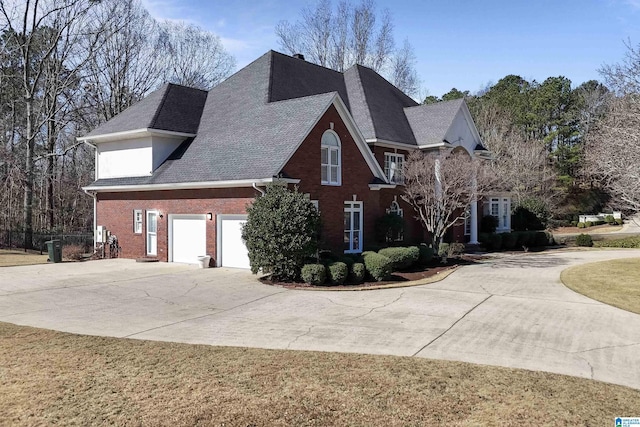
<point x="512" y="311"/>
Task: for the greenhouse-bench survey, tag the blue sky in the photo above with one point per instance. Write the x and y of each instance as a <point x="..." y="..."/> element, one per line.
<point x="462" y="44"/>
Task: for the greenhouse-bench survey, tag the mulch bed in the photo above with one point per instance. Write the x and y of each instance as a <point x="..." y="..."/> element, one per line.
<point x="397" y="277"/>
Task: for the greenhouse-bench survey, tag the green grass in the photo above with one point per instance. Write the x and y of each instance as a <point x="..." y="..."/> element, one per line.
<point x="49" y="377"/>
<point x="615" y="282"/>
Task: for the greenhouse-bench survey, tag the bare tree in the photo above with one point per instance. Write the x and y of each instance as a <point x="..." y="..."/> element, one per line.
<point x="624" y="77"/>
<point x="37" y="29"/>
<point x="440" y="187"/>
<point x="613" y="152"/>
<point x="194" y="57"/>
<point x="521" y="165"/>
<point x="352" y="34"/>
<point x="125" y="67"/>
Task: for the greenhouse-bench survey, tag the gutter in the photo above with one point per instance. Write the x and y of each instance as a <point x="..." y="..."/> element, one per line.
<point x="255" y="187"/>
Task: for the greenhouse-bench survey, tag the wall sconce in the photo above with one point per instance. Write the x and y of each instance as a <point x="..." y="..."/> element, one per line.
<point x="209" y="216"/>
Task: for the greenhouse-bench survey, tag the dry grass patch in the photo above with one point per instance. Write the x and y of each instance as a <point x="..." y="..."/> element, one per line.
<point x="49" y="377"/>
<point x="615" y="282"/>
<point x="13" y="257"/>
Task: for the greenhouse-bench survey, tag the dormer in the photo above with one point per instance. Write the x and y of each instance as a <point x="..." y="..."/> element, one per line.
<point x="137" y="141"/>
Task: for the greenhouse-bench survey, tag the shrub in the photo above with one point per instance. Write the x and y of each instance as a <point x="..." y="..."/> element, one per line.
<point x="447" y="250"/>
<point x="377" y="265"/>
<point x="73" y="252"/>
<point x="281" y="232"/>
<point x="609" y="219"/>
<point x="337" y="272"/>
<point x="348" y="260"/>
<point x="619" y="221"/>
<point x="488" y="224"/>
<point x="540" y="239"/>
<point x="509" y="240"/>
<point x="357" y="273"/>
<point x="588" y="224"/>
<point x="523" y="219"/>
<point x="492" y="242"/>
<point x="627" y="242"/>
<point x="401" y="257"/>
<point x="581" y="225"/>
<point x="389" y="228"/>
<point x="426" y="254"/>
<point x="584" y="240"/>
<point x="574" y="223"/>
<point x="316" y="274"/>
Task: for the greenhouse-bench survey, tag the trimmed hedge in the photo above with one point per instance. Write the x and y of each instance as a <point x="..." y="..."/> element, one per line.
<point x="377" y="265"/>
<point x="337" y="272"/>
<point x="315" y="274"/>
<point x="627" y="242"/>
<point x="357" y="273"/>
<point x="509" y="241"/>
<point x="584" y="240"/>
<point x="515" y="240"/>
<point x="401" y="257"/>
<point x="581" y="225"/>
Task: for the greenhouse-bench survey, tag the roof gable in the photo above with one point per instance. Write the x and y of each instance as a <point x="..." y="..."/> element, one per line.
<point x="430" y="123"/>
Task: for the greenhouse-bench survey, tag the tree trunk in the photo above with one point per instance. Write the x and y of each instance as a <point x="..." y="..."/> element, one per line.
<point x="28" y="184"/>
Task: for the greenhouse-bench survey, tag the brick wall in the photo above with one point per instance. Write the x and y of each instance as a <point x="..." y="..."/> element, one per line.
<point x="115" y="211"/>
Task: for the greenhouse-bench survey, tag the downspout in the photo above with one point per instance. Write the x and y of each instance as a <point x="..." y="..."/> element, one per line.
<point x="94" y="193"/>
<point x="255" y="187"/>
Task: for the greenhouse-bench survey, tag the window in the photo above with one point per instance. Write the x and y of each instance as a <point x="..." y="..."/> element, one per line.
<point x="352" y="227"/>
<point x="395" y="233"/>
<point x="500" y="208"/>
<point x="393" y="167"/>
<point x="137" y="221"/>
<point x="467" y="221"/>
<point x="152" y="233"/>
<point x="330" y="158"/>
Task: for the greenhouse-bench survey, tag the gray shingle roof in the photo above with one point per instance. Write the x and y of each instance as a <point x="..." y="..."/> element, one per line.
<point x="171" y="107"/>
<point x="249" y="125"/>
<point x="430" y="123"/>
<point x="240" y="136"/>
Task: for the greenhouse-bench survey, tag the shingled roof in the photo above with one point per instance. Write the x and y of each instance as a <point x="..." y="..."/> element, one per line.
<point x="248" y="126"/>
<point x="172" y="107"/>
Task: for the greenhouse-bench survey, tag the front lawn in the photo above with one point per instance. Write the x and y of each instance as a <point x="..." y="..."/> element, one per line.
<point x="13" y="257"/>
<point x="49" y="377"/>
<point x="615" y="282"/>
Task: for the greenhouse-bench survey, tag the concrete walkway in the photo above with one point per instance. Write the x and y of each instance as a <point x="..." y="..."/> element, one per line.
<point x="512" y="311"/>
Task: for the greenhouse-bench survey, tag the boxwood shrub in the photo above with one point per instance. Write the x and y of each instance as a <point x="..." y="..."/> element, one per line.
<point x="581" y="225"/>
<point x="426" y="254"/>
<point x="509" y="241"/>
<point x="401" y="257"/>
<point x="540" y="239"/>
<point x="584" y="240"/>
<point x="357" y="273"/>
<point x="315" y="274"/>
<point x="377" y="265"/>
<point x="337" y="272"/>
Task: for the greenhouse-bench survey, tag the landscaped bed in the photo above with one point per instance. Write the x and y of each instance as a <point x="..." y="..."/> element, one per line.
<point x="49" y="377"/>
<point x="419" y="275"/>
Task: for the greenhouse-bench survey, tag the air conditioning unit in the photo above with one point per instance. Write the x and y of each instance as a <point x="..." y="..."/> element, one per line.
<point x="101" y="234"/>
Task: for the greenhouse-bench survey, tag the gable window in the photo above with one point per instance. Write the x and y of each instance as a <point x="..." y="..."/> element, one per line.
<point x="352" y="227"/>
<point x="393" y="167"/>
<point x="330" y="158"/>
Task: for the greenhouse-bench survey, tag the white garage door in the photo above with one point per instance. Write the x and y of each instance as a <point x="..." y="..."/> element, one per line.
<point x="188" y="238"/>
<point x="231" y="249"/>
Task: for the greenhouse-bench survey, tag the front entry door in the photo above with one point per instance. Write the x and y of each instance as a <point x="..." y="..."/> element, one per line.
<point x="152" y="233"/>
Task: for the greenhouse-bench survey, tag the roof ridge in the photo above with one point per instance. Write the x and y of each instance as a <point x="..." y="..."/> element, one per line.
<point x="160" y="105"/>
<point x="364" y="96"/>
<point x="308" y="62"/>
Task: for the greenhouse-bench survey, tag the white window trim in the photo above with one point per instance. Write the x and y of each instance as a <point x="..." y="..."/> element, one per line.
<point x="355" y="207"/>
<point x="387" y="161"/>
<point x="504" y="212"/>
<point x="155" y="212"/>
<point x="331" y="148"/>
<point x="138" y="224"/>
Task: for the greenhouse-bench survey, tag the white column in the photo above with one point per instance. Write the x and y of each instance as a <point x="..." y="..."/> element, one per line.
<point x="473" y="239"/>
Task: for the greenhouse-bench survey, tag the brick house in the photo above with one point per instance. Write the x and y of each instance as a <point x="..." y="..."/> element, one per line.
<point x="175" y="172"/>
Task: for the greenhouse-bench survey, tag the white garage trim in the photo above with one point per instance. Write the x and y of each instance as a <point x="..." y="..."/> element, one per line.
<point x="173" y="217"/>
<point x="219" y="237"/>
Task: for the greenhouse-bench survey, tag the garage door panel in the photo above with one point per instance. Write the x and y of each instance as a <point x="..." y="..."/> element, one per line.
<point x="189" y="239"/>
<point x="232" y="249"/>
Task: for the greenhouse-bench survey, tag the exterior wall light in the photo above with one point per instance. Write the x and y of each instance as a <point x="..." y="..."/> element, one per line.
<point x="209" y="216"/>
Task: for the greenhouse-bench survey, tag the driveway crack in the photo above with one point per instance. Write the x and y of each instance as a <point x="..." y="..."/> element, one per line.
<point x="300" y="336"/>
<point x="451" y="327"/>
<point x="376" y="308"/>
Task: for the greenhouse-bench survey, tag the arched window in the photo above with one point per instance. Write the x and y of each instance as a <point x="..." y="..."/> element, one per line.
<point x="396" y="209"/>
<point x="330" y="158"/>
